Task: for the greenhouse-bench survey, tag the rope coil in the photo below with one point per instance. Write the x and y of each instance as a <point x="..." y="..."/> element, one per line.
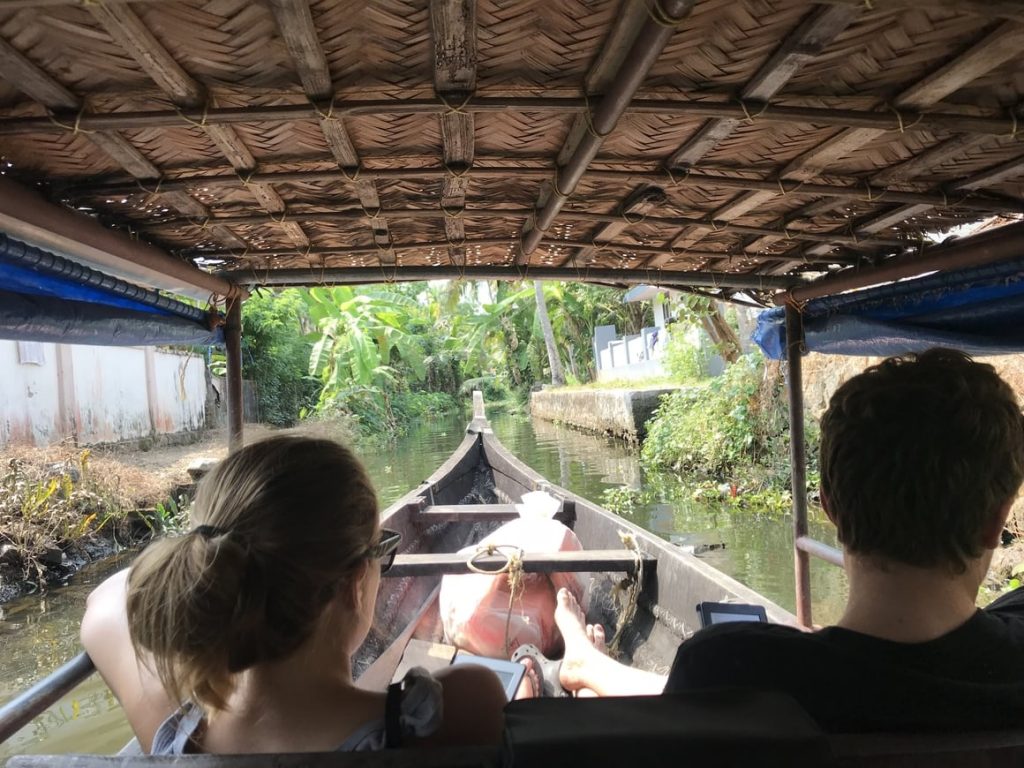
<point x="627" y="591"/>
<point x="513" y="567"/>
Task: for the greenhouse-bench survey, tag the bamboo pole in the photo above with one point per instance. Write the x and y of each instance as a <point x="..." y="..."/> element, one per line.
<point x="643" y="53"/>
<point x="798" y="461"/>
<point x="364" y="275"/>
<point x="987" y="248"/>
<point x="233" y="350"/>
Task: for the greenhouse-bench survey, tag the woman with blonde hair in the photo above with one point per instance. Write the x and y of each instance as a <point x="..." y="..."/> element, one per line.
<point x="237" y="636"/>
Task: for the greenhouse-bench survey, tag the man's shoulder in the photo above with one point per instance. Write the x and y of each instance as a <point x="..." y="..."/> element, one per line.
<point x="738" y="633"/>
<point x="741" y="653"/>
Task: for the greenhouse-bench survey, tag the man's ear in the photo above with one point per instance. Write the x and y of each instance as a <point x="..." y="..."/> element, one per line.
<point x="992" y="532"/>
<point x="826" y="505"/>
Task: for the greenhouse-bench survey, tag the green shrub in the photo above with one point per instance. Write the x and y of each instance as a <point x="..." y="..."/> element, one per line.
<point x="276" y="356"/>
<point x="733" y="427"/>
<point x="684" y="361"/>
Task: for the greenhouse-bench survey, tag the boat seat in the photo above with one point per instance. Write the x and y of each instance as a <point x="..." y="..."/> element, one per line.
<point x="715" y="727"/>
<point x="587" y="560"/>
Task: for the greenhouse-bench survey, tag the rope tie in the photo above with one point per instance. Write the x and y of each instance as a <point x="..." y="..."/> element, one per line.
<point x="870" y="197"/>
<point x="627" y="591"/>
<point x="150" y="194"/>
<point x="1013" y="127"/>
<point x="716" y="228"/>
<point x="555" y="189"/>
<point x="450" y="110"/>
<point x="869" y="5"/>
<point x="284" y="215"/>
<point x="638" y="219"/>
<point x="371" y="213"/>
<point x="749" y="118"/>
<point x="450" y="170"/>
<point x="189" y="120"/>
<point x="203" y="223"/>
<point x="451" y="213"/>
<point x="75" y="128"/>
<point x="246" y="178"/>
<point x="588" y="115"/>
<point x="354" y="177"/>
<point x="899" y="117"/>
<point x="329" y="114"/>
<point x="661" y="17"/>
<point x="677" y="181"/>
<point x="535" y="225"/>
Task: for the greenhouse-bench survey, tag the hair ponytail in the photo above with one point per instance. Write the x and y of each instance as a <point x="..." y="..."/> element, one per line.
<point x="282" y="524"/>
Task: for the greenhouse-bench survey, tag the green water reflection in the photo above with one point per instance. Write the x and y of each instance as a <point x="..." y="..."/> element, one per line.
<point x="39" y="634"/>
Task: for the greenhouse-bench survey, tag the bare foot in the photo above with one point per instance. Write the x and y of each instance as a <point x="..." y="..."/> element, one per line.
<point x="580" y="641"/>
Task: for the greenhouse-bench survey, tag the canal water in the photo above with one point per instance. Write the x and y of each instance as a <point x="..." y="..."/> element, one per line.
<point x="37" y="634"/>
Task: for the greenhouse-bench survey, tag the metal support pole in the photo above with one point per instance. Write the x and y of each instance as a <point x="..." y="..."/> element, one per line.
<point x="798" y="461"/>
<point x="233" y="351"/>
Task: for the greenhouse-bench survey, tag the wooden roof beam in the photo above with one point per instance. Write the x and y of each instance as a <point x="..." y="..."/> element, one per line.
<point x="624" y="251"/>
<point x="577" y="154"/>
<point x="728" y="110"/>
<point x="987" y="203"/>
<point x="295" y="22"/>
<point x="453" y="30"/>
<point x="40" y="86"/>
<point x="127" y="29"/>
<point x="355" y="214"/>
<point x="808" y="40"/>
<point x="995" y="48"/>
<point x="369" y="275"/>
<point x="635" y="207"/>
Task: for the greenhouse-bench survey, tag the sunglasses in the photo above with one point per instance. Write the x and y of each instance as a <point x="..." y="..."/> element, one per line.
<point x="385" y="549"/>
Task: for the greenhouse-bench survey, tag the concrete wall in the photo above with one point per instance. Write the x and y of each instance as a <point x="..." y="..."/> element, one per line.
<point x="97" y="394"/>
<point x="619" y="412"/>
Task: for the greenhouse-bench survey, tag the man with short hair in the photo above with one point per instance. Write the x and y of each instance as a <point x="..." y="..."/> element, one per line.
<point x="921" y="459"/>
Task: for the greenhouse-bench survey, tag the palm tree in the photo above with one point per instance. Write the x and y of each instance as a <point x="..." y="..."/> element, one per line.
<point x="554" y="360"/>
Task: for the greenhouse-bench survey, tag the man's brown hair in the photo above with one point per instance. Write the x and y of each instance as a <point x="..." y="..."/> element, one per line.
<point x="918" y="453"/>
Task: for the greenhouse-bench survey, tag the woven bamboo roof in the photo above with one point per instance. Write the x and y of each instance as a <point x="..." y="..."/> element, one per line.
<point x="713" y="143"/>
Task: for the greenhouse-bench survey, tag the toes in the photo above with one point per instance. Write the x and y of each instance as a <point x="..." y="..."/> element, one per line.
<point x="599" y="640"/>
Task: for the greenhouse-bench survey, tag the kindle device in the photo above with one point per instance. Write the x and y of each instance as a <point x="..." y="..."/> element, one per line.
<point x="509" y="672"/>
<point x="719" y="613"/>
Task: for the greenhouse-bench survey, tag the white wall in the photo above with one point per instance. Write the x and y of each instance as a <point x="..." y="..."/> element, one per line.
<point x="29" y="399"/>
<point x="98" y="394"/>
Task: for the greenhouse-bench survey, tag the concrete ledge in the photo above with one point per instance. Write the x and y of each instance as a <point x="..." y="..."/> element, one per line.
<point x="622" y="413"/>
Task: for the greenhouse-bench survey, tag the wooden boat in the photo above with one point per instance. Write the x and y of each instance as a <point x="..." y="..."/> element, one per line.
<point x="444" y="514"/>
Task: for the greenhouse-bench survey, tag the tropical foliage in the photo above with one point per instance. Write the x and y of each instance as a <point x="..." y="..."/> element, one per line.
<point x="387" y="354"/>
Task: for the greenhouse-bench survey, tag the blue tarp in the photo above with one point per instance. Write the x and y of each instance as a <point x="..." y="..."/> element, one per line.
<point x="44" y="297"/>
<point x="978" y="310"/>
<point x="43" y="318"/>
<point x="30" y="281"/>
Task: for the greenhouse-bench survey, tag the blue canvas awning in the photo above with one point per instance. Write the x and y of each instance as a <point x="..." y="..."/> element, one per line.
<point x="978" y="310"/>
<point x="45" y="297"/>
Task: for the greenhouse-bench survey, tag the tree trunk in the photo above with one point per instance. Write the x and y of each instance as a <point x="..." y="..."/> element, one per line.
<point x="722" y="334"/>
<point x="554" y="360"/>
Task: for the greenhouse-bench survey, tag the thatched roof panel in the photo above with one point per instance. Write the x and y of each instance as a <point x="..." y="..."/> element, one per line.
<point x="867" y="69"/>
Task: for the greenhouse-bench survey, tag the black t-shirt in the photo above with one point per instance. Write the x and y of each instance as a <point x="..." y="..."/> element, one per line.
<point x="969" y="679"/>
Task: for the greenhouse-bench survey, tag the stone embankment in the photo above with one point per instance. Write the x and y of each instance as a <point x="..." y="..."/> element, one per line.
<point x="621" y="413"/>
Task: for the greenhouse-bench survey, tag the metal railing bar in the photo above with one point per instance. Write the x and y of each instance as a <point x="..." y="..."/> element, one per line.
<point x="16" y="713"/>
<point x="820" y="550"/>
